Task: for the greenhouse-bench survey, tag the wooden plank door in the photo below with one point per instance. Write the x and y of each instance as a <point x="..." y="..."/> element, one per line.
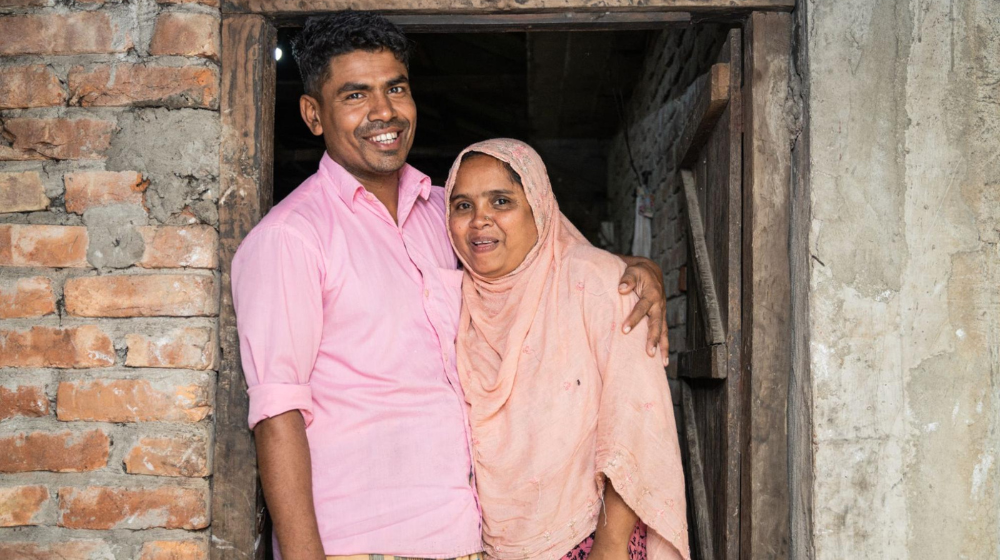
<point x="712" y="392"/>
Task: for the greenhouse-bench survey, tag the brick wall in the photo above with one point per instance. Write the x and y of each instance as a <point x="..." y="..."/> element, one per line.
<point x="672" y="63"/>
<point x="108" y="277"/>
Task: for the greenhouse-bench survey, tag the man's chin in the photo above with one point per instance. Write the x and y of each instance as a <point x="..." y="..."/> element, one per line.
<point x="387" y="164"/>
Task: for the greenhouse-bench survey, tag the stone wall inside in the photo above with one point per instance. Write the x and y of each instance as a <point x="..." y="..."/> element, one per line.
<point x="653" y="121"/>
<point x="904" y="134"/>
<point x="109" y="134"/>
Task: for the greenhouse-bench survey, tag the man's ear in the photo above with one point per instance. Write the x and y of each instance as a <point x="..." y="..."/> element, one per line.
<point x="309" y="107"/>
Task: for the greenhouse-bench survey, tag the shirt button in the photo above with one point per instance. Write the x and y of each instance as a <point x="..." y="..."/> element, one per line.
<point x="427" y="293"/>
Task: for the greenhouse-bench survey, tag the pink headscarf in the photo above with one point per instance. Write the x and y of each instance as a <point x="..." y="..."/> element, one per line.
<point x="558" y="397"/>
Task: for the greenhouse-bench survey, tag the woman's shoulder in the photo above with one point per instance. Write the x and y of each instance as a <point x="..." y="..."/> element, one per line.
<point x="599" y="270"/>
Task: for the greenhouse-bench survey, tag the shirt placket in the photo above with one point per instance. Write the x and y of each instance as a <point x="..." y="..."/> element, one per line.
<point x="448" y="359"/>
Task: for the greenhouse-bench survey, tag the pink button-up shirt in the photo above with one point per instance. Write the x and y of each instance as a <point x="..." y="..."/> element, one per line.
<point x="351" y="319"/>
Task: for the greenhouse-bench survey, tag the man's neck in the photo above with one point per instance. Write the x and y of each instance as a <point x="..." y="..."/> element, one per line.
<point x="385" y="187"/>
<point x="387" y="192"/>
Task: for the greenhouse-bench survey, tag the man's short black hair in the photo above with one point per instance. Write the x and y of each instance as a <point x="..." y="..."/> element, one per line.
<point x="324" y="37"/>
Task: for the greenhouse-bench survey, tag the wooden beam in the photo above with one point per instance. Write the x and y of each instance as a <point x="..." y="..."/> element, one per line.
<point x="715" y="331"/>
<point x="245" y="175"/>
<point x="707" y="362"/>
<point x="300" y="8"/>
<point x="708" y="96"/>
<point x="702" y="515"/>
<point x="801" y="434"/>
<point x="566" y="21"/>
<point x="767" y="283"/>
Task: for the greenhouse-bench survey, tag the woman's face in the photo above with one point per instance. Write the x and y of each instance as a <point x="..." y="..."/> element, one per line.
<point x="491" y="222"/>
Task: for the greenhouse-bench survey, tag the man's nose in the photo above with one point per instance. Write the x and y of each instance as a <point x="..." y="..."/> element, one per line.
<point x="382" y="109"/>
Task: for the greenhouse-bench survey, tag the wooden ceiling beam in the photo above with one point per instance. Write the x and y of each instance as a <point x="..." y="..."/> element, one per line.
<point x="301" y="8"/>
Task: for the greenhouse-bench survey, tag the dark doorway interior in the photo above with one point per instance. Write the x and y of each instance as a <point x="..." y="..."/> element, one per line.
<point x="564" y="93"/>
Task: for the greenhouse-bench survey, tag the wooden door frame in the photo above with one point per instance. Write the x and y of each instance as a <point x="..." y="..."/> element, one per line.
<point x="249" y="36"/>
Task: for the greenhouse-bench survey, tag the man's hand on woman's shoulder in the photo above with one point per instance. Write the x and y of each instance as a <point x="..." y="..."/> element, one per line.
<point x="646" y="278"/>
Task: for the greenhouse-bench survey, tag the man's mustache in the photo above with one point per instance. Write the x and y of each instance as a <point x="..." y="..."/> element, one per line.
<point x="374" y="128"/>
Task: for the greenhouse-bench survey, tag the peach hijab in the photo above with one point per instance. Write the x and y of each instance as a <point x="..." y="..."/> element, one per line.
<point x="558" y="397"/>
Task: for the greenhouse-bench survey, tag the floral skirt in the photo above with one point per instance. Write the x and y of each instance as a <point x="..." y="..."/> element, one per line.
<point x="636" y="545"/>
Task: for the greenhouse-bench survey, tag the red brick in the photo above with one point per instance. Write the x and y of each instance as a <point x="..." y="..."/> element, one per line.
<point x="26" y="400"/>
<point x="187" y="348"/>
<point x="57" y="452"/>
<point x="22" y="192"/>
<point x="99" y="507"/>
<point x="20" y="505"/>
<point x="48" y="246"/>
<point x="169" y="295"/>
<point x="22" y="87"/>
<point x="26" y="297"/>
<point x="86" y="189"/>
<point x="69" y="550"/>
<point x="133" y="400"/>
<point x="73" y="347"/>
<point x="186" y="35"/>
<point x="174" y="550"/>
<point x="125" y="85"/>
<point x="169" y="456"/>
<point x="180" y="246"/>
<point x="58" y="138"/>
<point x="72" y="33"/>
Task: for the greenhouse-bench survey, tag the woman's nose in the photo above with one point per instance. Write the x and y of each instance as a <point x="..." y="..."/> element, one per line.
<point x="481" y="219"/>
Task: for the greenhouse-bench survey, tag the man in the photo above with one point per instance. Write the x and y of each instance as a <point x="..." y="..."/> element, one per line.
<point x="347" y="296"/>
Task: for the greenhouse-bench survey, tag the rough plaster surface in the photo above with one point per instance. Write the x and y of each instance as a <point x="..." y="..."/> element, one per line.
<point x="905" y="328"/>
<point x="178" y="151"/>
<point x="114" y="240"/>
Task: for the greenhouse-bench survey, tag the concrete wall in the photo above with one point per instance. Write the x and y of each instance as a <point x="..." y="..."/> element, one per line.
<point x="904" y="132"/>
<point x="109" y="163"/>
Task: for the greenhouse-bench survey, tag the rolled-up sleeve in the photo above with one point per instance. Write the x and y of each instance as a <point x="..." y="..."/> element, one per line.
<point x="277" y="280"/>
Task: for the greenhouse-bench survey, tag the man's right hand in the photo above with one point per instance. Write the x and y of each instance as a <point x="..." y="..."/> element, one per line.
<point x="286" y="477"/>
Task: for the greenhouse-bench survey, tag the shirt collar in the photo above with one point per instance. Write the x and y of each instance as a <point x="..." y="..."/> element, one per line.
<point x="348" y="187"/>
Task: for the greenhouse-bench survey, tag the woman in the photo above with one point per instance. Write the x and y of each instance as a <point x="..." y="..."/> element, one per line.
<point x="573" y="434"/>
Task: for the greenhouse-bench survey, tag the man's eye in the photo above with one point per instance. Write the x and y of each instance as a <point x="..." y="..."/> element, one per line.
<point x="353" y="96"/>
<point x="397" y="89"/>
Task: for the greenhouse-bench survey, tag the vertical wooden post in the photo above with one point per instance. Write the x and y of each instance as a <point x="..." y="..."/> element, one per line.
<point x="767" y="285"/>
<point x="246" y="170"/>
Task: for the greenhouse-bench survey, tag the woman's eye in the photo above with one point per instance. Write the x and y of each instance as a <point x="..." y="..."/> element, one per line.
<point x="502" y="202"/>
<point x="462" y="206"/>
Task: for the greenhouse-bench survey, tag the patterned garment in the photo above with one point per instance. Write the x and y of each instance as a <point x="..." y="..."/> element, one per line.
<point x="476" y="556"/>
<point x="636" y="545"/>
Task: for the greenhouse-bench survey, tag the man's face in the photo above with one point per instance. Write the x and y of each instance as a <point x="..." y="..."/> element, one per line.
<point x="365" y="113"/>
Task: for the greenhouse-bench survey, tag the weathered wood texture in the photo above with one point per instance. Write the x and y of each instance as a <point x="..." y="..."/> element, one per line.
<point x="303" y="7"/>
<point x="716" y="408"/>
<point x="567" y="21"/>
<point x="709" y="95"/>
<point x="708" y="297"/>
<point x="702" y="523"/>
<point x="246" y="170"/>
<point x="766" y="285"/>
<point x="707" y="362"/>
<point x="800" y="401"/>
